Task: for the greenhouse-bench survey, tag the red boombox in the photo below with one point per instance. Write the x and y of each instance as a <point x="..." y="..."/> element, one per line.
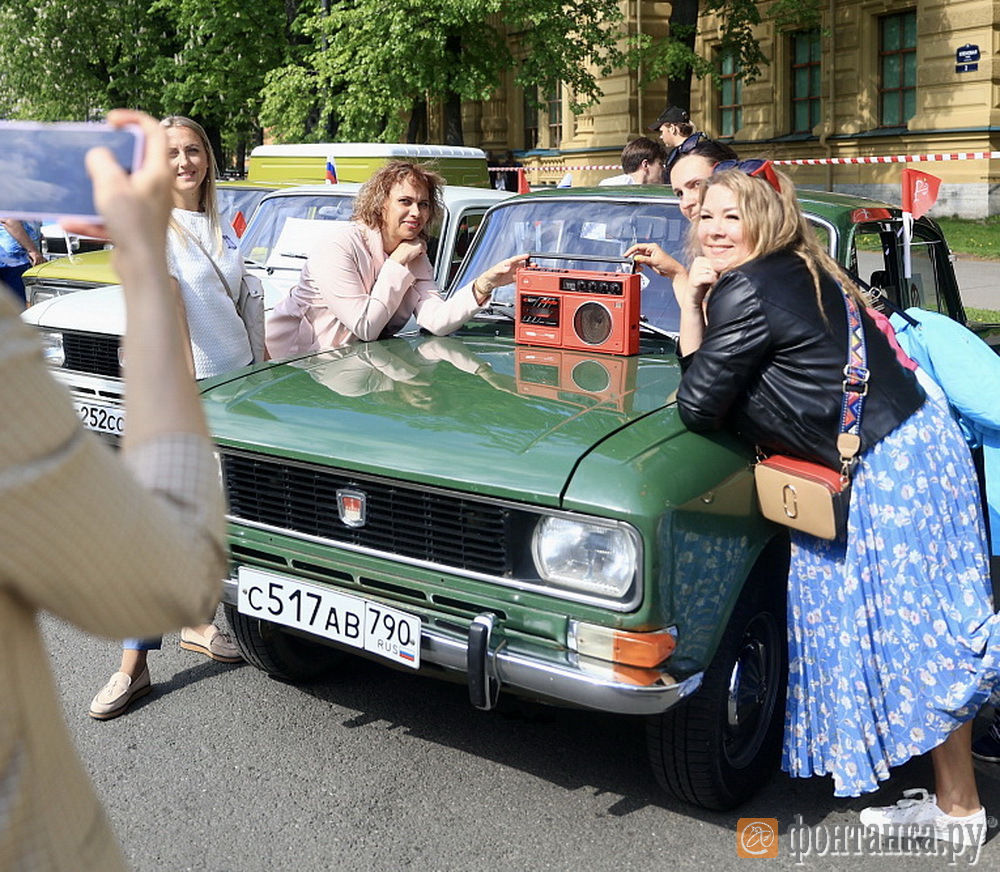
<point x="582" y="310"/>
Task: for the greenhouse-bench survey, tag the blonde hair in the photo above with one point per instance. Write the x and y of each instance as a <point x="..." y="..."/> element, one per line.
<point x="207" y="200"/>
<point x="369" y="205"/>
<point x="773" y="220"/>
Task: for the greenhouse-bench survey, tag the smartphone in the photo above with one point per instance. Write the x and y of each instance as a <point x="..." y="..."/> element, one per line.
<point x="42" y="170"/>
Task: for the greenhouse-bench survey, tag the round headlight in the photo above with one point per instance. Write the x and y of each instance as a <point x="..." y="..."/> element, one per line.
<point x="589" y="558"/>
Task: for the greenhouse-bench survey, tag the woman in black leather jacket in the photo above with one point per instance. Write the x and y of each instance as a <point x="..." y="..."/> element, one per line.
<point x="893" y="645"/>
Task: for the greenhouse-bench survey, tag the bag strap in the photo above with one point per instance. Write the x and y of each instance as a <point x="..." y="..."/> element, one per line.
<point x="211" y="259"/>
<point x="855" y="385"/>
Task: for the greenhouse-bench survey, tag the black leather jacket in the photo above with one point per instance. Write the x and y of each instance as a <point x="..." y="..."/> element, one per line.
<point x="771" y="369"/>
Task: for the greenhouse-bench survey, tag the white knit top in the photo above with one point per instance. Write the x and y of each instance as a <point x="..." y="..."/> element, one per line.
<point x="219" y="340"/>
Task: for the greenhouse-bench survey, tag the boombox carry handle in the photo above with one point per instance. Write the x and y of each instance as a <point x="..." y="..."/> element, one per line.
<point x="595" y="258"/>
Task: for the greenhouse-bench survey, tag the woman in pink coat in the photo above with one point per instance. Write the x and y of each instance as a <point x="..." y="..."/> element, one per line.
<point x="367" y="277"/>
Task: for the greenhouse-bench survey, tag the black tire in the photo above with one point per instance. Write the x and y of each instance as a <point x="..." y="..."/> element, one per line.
<point x="280" y="654"/>
<point x="719" y="747"/>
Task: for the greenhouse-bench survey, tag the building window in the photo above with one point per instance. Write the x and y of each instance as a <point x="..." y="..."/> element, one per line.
<point x="730" y="96"/>
<point x="554" y="107"/>
<point x="530" y="123"/>
<point x="897" y="69"/>
<point x="805" y="81"/>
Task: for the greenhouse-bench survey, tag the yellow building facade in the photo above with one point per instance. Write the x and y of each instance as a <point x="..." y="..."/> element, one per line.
<point x="877" y="78"/>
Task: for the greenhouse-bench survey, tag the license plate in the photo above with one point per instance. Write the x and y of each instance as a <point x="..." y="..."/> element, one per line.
<point x="104" y="419"/>
<point x="331" y="614"/>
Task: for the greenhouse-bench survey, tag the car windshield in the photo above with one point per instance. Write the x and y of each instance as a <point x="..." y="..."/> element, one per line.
<point x="283" y="228"/>
<point x="594" y="227"/>
<point x="236" y="205"/>
<point x="289" y="221"/>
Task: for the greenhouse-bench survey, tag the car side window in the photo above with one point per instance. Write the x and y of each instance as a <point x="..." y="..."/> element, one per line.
<point x="880" y="261"/>
<point x="468" y="224"/>
<point x="923" y="288"/>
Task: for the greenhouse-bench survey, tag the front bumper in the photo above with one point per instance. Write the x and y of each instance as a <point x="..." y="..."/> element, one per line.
<point x="493" y="661"/>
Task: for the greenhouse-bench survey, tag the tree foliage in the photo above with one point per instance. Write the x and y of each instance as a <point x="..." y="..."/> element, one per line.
<point x="76" y="60"/>
<point x="675" y="58"/>
<point x="347" y="69"/>
<point x="372" y="59"/>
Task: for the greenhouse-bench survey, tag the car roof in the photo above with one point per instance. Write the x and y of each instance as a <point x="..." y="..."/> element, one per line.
<point x="454" y="196"/>
<point x="367" y="149"/>
<point x="822" y="202"/>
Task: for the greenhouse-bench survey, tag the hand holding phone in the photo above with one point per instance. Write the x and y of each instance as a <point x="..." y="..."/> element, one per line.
<point x="134" y="208"/>
<point x="42" y="169"/>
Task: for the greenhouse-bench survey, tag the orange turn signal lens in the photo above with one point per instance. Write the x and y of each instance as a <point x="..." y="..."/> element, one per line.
<point x="620" y="646"/>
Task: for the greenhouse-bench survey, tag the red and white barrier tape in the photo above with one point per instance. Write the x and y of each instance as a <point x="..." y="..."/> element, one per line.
<point x="819" y="161"/>
<point x="896" y="158"/>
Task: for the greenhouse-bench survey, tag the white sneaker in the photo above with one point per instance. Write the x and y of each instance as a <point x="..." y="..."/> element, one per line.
<point x="917" y="816"/>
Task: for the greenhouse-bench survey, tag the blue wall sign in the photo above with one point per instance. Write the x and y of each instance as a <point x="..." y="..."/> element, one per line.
<point x="966" y="59"/>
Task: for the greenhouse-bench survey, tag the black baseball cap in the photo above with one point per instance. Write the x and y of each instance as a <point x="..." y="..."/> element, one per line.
<point x="671" y="115"/>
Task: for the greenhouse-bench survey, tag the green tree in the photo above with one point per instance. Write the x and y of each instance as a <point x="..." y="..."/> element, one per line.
<point x="371" y="59"/>
<point x="72" y="61"/>
<point x="203" y="58"/>
<point x="675" y="57"/>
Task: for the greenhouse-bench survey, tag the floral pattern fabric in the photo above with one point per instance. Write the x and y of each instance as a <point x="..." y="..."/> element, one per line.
<point x="892" y="638"/>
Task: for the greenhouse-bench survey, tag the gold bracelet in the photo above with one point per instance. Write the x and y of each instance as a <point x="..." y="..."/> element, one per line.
<point x="477" y="293"/>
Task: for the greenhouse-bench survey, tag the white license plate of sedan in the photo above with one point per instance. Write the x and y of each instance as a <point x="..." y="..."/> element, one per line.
<point x="101" y="417"/>
<point x="341" y="617"/>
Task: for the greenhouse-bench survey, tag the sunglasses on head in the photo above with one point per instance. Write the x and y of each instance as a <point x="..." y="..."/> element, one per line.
<point x="757" y="167"/>
<point x="687" y="145"/>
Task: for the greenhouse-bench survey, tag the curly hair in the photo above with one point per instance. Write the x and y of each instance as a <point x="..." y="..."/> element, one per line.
<point x="369" y="205"/>
<point x="773" y="220"/>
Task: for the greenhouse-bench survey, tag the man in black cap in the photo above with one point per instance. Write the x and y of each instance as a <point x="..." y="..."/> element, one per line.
<point x="674" y="125"/>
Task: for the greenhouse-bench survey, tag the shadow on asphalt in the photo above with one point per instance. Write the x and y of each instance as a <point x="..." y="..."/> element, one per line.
<point x="581" y="750"/>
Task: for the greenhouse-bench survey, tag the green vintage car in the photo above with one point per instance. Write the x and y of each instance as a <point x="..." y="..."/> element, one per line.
<point x="533" y="520"/>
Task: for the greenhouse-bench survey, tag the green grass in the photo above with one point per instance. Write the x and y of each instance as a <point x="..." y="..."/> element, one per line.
<point x="982" y="316"/>
<point x="979" y="238"/>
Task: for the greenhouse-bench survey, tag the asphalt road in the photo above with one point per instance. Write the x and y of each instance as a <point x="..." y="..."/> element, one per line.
<point x="222" y="768"/>
<point x="979" y="281"/>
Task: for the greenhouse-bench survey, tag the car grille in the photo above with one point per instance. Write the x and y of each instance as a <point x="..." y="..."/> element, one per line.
<point x="404" y="520"/>
<point x="92" y="352"/>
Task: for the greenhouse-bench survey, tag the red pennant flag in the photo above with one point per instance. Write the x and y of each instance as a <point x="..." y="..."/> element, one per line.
<point x="522" y="182"/>
<point x="239" y="223"/>
<point x="920" y="190"/>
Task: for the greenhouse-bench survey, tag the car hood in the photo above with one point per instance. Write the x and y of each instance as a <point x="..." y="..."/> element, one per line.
<point x="93" y="310"/>
<point x="462" y="411"/>
<point x="93" y="266"/>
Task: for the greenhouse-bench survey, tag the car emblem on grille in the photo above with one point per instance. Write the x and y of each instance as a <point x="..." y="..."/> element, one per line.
<point x="121" y="356"/>
<point x="352" y="506"/>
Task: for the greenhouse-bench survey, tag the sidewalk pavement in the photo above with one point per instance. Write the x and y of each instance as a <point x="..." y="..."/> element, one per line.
<point x="979" y="282"/>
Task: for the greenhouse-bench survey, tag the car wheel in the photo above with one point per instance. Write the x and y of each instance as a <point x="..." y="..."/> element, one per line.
<point x="280" y="654"/>
<point x="719" y="747"/>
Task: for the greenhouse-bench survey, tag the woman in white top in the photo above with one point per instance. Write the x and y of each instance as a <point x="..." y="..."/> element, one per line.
<point x="200" y="254"/>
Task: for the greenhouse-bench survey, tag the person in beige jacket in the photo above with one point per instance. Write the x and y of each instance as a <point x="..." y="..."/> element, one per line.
<point x="129" y="545"/>
<point x="365" y="278"/>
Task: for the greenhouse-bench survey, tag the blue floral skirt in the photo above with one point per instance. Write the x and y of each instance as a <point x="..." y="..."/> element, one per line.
<point x="892" y="639"/>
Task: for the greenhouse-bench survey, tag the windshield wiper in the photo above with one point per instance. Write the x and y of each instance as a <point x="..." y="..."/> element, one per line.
<point x="498" y="309"/>
<point x="649" y="326"/>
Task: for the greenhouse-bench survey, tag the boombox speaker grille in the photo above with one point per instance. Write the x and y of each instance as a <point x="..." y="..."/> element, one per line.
<point x="592" y="323"/>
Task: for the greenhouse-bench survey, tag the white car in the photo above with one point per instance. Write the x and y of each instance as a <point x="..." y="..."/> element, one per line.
<point x="81" y="331"/>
